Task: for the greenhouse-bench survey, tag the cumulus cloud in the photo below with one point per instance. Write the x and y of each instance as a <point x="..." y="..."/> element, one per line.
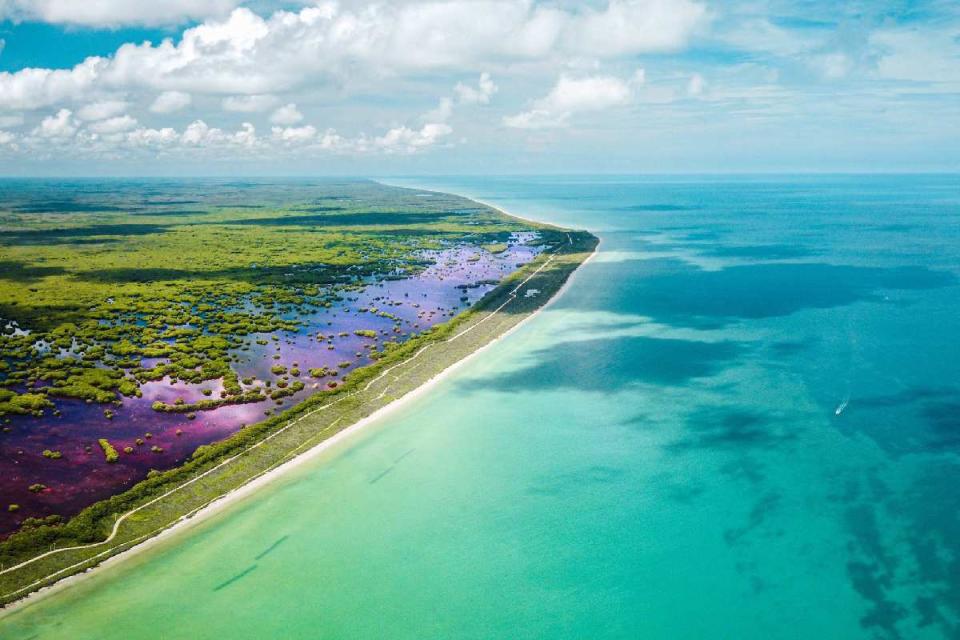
<point x="171" y="101"/>
<point x="480" y="94"/>
<point x="102" y="110"/>
<point x="246" y="54"/>
<point x="35" y="88"/>
<point x="199" y="134"/>
<point x="286" y="115"/>
<point x="146" y="137"/>
<point x="60" y="125"/>
<point x="120" y="136"/>
<point x="294" y="134"/>
<point x="573" y="95"/>
<point x="627" y="27"/>
<point x="406" y="140"/>
<point x="112" y="13"/>
<point x="464" y="94"/>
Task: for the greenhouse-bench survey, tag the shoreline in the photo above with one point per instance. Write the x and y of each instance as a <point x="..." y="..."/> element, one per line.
<point x="220" y="505"/>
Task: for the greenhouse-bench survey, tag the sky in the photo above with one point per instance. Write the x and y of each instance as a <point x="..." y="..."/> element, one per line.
<point x="274" y="87"/>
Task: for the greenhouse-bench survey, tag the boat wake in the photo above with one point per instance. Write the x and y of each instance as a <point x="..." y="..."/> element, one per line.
<point x="842" y="406"/>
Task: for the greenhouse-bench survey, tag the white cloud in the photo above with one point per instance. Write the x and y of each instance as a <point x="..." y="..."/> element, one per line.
<point x="145" y="137"/>
<point x="481" y="94"/>
<point x="574" y="95"/>
<point x="627" y="27"/>
<point x="294" y="134"/>
<point x="286" y="115"/>
<point x="112" y="13"/>
<point x="440" y="113"/>
<point x="199" y="134"/>
<point x="696" y="85"/>
<point x="246" y="54"/>
<point x="917" y="55"/>
<point x="102" y="110"/>
<point x="170" y="101"/>
<point x="406" y="140"/>
<point x="464" y="94"/>
<point x="7" y="138"/>
<point x="249" y="104"/>
<point x="117" y="124"/>
<point x="35" y="88"/>
<point x="61" y="125"/>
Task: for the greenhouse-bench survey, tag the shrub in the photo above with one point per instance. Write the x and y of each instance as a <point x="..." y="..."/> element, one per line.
<point x="109" y="452"/>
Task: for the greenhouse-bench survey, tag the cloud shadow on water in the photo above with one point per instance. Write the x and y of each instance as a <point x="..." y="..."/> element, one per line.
<point x="612" y="364"/>
<point x="760" y="251"/>
<point x="674" y="292"/>
<point x="730" y="429"/>
<point x="932" y="414"/>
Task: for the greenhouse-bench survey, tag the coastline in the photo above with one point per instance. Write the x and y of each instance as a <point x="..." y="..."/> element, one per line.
<point x="221" y="504"/>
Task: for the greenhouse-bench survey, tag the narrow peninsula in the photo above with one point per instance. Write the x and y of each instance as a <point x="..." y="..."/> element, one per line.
<point x="167" y="343"/>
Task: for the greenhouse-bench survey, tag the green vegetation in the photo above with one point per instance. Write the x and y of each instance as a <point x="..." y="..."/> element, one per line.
<point x="496" y="247"/>
<point x="22" y="403"/>
<point x="109" y="452"/>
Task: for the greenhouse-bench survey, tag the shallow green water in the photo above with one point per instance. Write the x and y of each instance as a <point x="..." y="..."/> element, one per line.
<point x="658" y="455"/>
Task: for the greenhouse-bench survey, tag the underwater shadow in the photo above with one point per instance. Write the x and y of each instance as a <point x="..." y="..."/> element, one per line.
<point x="612" y="364"/>
<point x="676" y="293"/>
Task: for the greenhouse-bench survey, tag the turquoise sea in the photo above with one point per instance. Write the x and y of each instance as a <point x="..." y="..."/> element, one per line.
<point x="742" y="420"/>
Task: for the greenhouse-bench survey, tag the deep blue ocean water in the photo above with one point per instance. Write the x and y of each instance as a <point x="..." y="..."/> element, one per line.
<point x="742" y="420"/>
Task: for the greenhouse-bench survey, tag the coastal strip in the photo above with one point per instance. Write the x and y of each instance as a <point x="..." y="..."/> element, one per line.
<point x="274" y="447"/>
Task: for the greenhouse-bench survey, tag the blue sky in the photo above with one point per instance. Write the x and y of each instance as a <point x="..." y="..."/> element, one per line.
<point x="113" y="87"/>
